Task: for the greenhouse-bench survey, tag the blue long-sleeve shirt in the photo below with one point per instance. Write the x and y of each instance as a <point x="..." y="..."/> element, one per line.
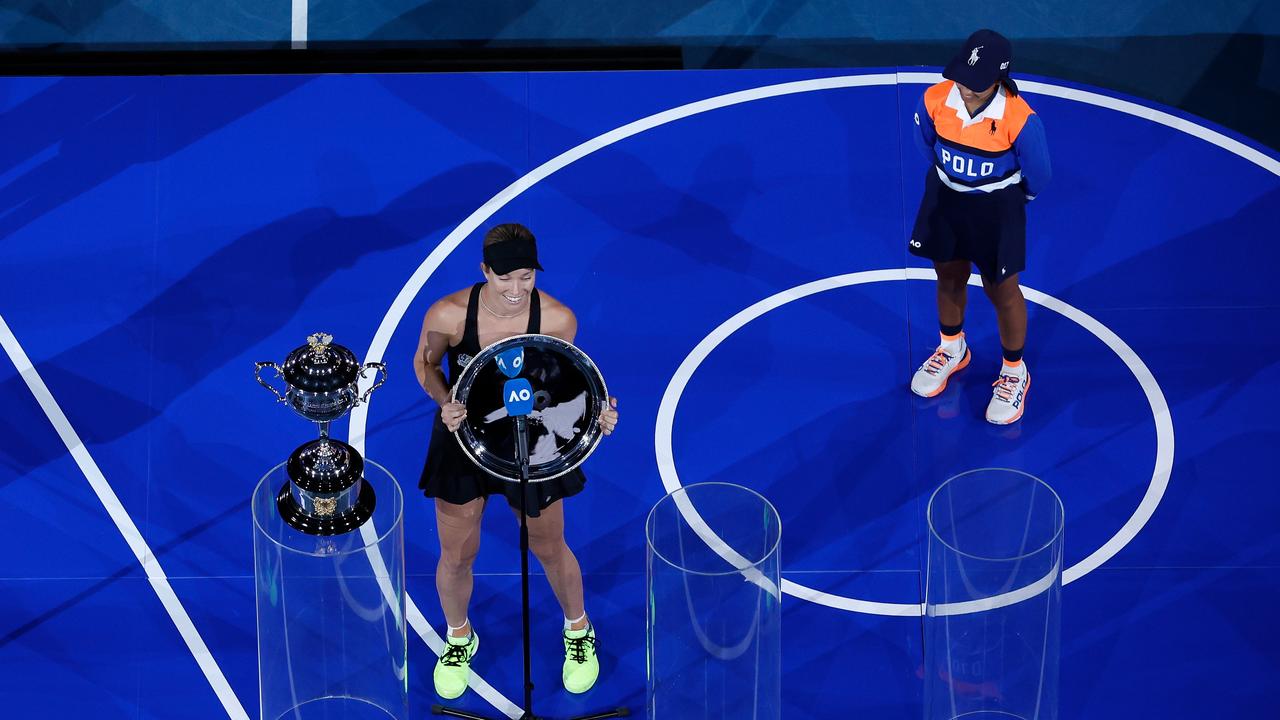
<point x="1002" y="144"/>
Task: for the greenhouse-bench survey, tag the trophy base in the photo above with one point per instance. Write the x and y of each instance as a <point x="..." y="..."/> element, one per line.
<point x="299" y="519"/>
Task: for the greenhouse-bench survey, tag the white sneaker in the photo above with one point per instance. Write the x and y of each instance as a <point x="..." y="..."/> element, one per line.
<point x="1009" y="398"/>
<point x="931" y="378"/>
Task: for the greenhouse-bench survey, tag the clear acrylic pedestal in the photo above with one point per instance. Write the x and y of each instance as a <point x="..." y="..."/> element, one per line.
<point x="332" y="641"/>
<point x="714" y="637"/>
<point x="993" y="598"/>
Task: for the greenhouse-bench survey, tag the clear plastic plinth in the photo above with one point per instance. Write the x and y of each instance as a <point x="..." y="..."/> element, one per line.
<point x="713" y="630"/>
<point x="331" y="623"/>
<point x="993" y="598"/>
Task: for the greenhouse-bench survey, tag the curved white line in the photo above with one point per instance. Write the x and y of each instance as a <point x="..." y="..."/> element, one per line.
<point x="1159" y="409"/>
<point x="369" y="533"/>
<point x="451" y="242"/>
<point x="995" y="601"/>
<point x="1129" y="107"/>
<point x="394" y="314"/>
<point x="382" y="337"/>
<point x="1159" y="412"/>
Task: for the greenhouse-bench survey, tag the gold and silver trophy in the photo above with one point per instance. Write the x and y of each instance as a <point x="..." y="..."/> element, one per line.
<point x="332" y="630"/>
<point x="326" y="493"/>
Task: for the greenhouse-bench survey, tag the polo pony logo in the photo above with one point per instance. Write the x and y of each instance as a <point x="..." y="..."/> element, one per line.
<point x="1004" y="65"/>
<point x="973" y="55"/>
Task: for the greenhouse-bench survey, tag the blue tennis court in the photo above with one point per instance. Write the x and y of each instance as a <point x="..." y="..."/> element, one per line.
<point x="734" y="246"/>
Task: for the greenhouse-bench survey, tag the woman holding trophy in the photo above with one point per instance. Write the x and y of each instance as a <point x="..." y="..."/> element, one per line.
<point x="455" y="330"/>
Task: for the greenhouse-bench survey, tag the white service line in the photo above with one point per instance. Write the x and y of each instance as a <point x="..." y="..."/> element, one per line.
<point x="107" y="496"/>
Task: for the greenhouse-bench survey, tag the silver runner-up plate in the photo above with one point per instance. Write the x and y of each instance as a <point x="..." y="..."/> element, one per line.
<point x="568" y="395"/>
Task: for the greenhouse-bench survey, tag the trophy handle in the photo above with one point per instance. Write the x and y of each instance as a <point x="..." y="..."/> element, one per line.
<point x="377" y="367"/>
<point x="257" y="372"/>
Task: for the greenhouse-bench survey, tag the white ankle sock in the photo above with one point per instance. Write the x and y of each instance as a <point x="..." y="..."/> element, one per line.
<point x="568" y="624"/>
<point x="451" y="636"/>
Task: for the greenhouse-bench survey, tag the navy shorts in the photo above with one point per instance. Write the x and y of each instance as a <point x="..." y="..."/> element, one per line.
<point x="987" y="229"/>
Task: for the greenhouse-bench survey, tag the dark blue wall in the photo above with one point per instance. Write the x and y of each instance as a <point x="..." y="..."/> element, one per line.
<point x="1218" y="59"/>
<point x="144" y="21"/>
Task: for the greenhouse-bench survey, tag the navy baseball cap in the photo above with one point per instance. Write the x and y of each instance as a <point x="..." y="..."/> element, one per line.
<point x="985" y="58"/>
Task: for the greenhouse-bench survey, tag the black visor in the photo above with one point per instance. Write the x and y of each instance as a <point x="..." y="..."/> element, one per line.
<point x="510" y="255"/>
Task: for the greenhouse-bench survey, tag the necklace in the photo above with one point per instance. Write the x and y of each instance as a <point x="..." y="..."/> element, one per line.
<point x="495" y="313"/>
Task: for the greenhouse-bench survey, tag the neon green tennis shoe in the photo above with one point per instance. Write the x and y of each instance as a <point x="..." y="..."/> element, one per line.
<point x="581" y="668"/>
<point x="453" y="669"/>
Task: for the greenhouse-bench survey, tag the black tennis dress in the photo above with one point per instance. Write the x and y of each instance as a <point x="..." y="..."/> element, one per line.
<point x="449" y="474"/>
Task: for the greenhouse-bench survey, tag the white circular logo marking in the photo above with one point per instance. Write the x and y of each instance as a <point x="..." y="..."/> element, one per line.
<point x="395" y="313"/>
<point x="1159" y="411"/>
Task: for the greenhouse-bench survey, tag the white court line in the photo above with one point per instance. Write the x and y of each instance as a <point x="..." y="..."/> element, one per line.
<point x="107" y="496"/>
<point x="299" y="30"/>
<point x="400" y="305"/>
<point x="1161" y="418"/>
<point x="477" y="683"/>
<point x="382" y="337"/>
<point x="417" y="620"/>
<point x="750" y="570"/>
<point x="298" y="24"/>
<point x="994" y="602"/>
<point x="1127" y="107"/>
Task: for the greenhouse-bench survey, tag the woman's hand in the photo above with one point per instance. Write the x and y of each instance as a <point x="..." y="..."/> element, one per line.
<point x="609" y="416"/>
<point x="452" y="414"/>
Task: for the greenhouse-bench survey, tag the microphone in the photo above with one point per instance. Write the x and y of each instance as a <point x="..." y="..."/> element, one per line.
<point x="511" y="362"/>
<point x="517" y="396"/>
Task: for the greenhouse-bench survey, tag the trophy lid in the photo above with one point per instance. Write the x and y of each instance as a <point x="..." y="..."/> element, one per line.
<point x="320" y="366"/>
<point x="325" y="466"/>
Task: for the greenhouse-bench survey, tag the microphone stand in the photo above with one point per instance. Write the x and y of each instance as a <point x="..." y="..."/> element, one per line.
<point x="522" y="458"/>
